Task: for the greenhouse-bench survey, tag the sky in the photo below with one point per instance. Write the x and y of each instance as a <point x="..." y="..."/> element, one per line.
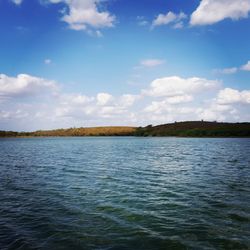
<point x="81" y="63"/>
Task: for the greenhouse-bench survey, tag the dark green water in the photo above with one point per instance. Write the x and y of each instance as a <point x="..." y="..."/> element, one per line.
<point x="124" y="193"/>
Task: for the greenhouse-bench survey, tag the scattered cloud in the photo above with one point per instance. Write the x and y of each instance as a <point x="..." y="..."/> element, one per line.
<point x="227" y="71"/>
<point x="47" y="61"/>
<point x="152" y="62"/>
<point x="177" y="86"/>
<point x="18" y="114"/>
<point x="102" y="106"/>
<point x="166" y="99"/>
<point x="75" y="99"/>
<point x="25" y="85"/>
<point x="17" y="2"/>
<point x="230" y="96"/>
<point x="169" y="18"/>
<point x="128" y="100"/>
<point x="163" y="107"/>
<point x="213" y="11"/>
<point x="104" y="99"/>
<point x="233" y="70"/>
<point x="246" y="67"/>
<point x="216" y="112"/>
<point x="83" y="15"/>
<point x="178" y="25"/>
<point x="141" y="21"/>
<point x="86" y="15"/>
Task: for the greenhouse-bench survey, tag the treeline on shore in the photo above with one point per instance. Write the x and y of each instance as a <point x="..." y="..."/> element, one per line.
<point x="196" y="129"/>
<point x="181" y="129"/>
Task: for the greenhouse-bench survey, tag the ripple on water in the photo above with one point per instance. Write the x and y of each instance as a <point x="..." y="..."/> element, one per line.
<point x="124" y="193"/>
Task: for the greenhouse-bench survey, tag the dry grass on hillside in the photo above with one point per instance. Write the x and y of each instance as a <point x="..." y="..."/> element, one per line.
<point x="95" y="131"/>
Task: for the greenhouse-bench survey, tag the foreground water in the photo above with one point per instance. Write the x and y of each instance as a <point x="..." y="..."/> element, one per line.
<point x="124" y="193"/>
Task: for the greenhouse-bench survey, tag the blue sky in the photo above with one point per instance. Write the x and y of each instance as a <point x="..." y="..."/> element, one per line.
<point x="66" y="63"/>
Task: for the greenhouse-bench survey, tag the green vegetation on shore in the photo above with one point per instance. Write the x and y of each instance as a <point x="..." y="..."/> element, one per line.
<point x="196" y="129"/>
<point x="182" y="129"/>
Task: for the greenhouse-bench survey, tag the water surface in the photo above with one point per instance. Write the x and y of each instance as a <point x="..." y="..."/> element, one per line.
<point x="124" y="193"/>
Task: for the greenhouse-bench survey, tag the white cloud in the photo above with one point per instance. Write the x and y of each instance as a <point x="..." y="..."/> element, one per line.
<point x="24" y="85"/>
<point x="170" y="17"/>
<point x="141" y="21"/>
<point x="75" y="99"/>
<point x="152" y="62"/>
<point x="177" y="86"/>
<point x="227" y="71"/>
<point x="18" y="114"/>
<point x="47" y="61"/>
<point x="213" y="11"/>
<point x="85" y="15"/>
<point x="128" y="100"/>
<point x="104" y="99"/>
<point x="17" y="2"/>
<point x="179" y="99"/>
<point x="120" y="102"/>
<point x="103" y="106"/>
<point x="166" y="99"/>
<point x="98" y="33"/>
<point x="159" y="107"/>
<point x="217" y="112"/>
<point x="230" y="96"/>
<point x="178" y="25"/>
<point x="163" y="112"/>
<point x="246" y="67"/>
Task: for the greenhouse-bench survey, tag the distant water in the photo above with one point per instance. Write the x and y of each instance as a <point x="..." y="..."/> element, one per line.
<point x="124" y="193"/>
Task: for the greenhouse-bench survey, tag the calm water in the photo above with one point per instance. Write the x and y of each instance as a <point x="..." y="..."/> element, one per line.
<point x="124" y="193"/>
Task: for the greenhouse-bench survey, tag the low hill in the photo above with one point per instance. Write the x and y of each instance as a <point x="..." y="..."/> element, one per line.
<point x="197" y="129"/>
<point x="94" y="131"/>
<point x="182" y="129"/>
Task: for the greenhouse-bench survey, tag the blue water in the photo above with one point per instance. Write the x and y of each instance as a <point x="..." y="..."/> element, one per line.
<point x="124" y="193"/>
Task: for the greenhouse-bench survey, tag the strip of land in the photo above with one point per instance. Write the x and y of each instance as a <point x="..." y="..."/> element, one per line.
<point x="181" y="129"/>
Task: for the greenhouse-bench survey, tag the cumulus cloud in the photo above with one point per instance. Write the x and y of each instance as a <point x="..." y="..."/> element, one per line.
<point x="218" y="112"/>
<point x="128" y="100"/>
<point x="230" y="96"/>
<point x="179" y="99"/>
<point x="168" y="104"/>
<point x="165" y="100"/>
<point x="85" y="15"/>
<point x="159" y="107"/>
<point x="168" y="18"/>
<point x="152" y="62"/>
<point x="25" y="85"/>
<point x="177" y="86"/>
<point x="213" y="11"/>
<point x="226" y="106"/>
<point x="103" y="105"/>
<point x="246" y="67"/>
<point x="75" y="99"/>
<point x="19" y="114"/>
<point x="104" y="99"/>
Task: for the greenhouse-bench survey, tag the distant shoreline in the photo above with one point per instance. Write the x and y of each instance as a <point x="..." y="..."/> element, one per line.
<point x="122" y="136"/>
<point x="193" y="129"/>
